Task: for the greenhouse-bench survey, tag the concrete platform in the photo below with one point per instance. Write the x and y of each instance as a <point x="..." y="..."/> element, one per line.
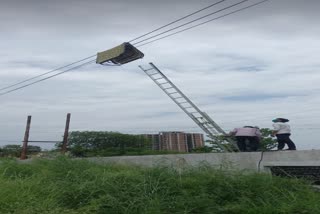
<point x="299" y="164"/>
<point x="255" y="161"/>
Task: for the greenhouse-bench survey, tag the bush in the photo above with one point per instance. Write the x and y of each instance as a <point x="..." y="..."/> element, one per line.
<point x="15" y="150"/>
<point x="204" y="149"/>
<point x="92" y="143"/>
<point x="78" y="186"/>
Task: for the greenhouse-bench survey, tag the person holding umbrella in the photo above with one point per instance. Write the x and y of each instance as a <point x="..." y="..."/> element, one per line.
<point x="282" y="131"/>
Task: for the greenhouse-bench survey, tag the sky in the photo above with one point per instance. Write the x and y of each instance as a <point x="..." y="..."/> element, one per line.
<point x="243" y="69"/>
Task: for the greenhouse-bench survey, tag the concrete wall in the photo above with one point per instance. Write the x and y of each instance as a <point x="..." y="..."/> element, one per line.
<point x="254" y="161"/>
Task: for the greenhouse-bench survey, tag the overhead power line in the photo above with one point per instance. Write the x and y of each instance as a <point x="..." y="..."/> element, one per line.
<point x="78" y="66"/>
<point x="73" y="68"/>
<point x="202" y="23"/>
<point x="73" y="63"/>
<point x="51" y="71"/>
<point x="190" y="22"/>
<point x="182" y="18"/>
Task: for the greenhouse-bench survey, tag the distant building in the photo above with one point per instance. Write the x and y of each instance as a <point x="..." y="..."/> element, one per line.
<point x="154" y="141"/>
<point x="194" y="140"/>
<point x="175" y="141"/>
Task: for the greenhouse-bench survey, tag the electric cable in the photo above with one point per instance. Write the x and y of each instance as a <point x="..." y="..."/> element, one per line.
<point x="190" y="22"/>
<point x="10" y="86"/>
<point x="202" y="23"/>
<point x="173" y="22"/>
<point x="51" y="71"/>
<point x="15" y="89"/>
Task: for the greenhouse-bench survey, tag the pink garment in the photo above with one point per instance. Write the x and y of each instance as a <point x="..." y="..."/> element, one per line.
<point x="250" y="132"/>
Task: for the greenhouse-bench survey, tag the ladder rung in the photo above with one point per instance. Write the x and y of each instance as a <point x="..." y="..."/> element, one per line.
<point x="184" y="102"/>
<point x="149" y="69"/>
<point x="198" y="118"/>
<point x="164" y="83"/>
<point x="167" y="88"/>
<point x="158" y="78"/>
<point x="153" y="74"/>
<point x="174" y="93"/>
<point x="177" y="97"/>
<point x="188" y="107"/>
<point x="211" y="128"/>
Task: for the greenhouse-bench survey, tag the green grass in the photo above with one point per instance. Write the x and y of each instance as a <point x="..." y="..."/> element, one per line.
<point x="76" y="186"/>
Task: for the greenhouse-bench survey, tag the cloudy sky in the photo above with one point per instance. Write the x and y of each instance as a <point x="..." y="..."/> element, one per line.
<point x="244" y="69"/>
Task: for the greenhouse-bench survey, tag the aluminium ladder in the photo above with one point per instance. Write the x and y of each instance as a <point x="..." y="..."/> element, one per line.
<point x="203" y="120"/>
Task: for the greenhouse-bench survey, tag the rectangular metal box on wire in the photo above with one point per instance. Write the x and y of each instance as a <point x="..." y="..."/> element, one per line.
<point x="119" y="55"/>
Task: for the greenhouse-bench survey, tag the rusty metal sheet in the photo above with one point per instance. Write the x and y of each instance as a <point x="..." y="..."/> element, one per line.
<point x="107" y="55"/>
<point x="121" y="54"/>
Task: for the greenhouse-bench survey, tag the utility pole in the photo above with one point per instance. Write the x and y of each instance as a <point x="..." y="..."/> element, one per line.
<point x="66" y="134"/>
<point x="25" y="140"/>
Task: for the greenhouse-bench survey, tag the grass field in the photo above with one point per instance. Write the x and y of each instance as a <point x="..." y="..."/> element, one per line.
<point x="68" y="186"/>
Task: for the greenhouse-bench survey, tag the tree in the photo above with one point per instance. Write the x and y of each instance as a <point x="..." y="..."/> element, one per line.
<point x="267" y="142"/>
<point x="12" y="150"/>
<point x="100" y="143"/>
<point x="221" y="142"/>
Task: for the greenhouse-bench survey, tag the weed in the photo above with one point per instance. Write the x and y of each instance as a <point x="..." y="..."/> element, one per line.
<point x="71" y="186"/>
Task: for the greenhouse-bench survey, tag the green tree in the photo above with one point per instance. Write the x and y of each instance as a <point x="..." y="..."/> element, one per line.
<point x="267" y="141"/>
<point x="12" y="150"/>
<point x="100" y="143"/>
<point x="221" y="142"/>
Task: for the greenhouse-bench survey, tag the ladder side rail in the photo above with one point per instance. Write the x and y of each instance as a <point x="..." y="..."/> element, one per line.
<point x="175" y="87"/>
<point x="182" y="95"/>
<point x="164" y="88"/>
<point x="203" y="114"/>
<point x="183" y="108"/>
<point x="217" y="127"/>
<point x="212" y="136"/>
<point x="211" y="131"/>
<point x="169" y="94"/>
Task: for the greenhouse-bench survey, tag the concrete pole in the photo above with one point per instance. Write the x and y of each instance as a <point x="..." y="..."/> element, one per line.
<point x="66" y="134"/>
<point x="25" y="140"/>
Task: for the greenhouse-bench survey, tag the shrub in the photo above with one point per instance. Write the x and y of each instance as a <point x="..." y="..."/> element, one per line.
<point x="78" y="186"/>
<point x="93" y="143"/>
<point x="15" y="150"/>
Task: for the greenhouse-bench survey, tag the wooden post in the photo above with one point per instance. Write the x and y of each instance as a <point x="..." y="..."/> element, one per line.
<point x="25" y="140"/>
<point x="66" y="134"/>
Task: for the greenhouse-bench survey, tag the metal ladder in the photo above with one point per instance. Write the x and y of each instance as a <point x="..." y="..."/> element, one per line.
<point x="199" y="117"/>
